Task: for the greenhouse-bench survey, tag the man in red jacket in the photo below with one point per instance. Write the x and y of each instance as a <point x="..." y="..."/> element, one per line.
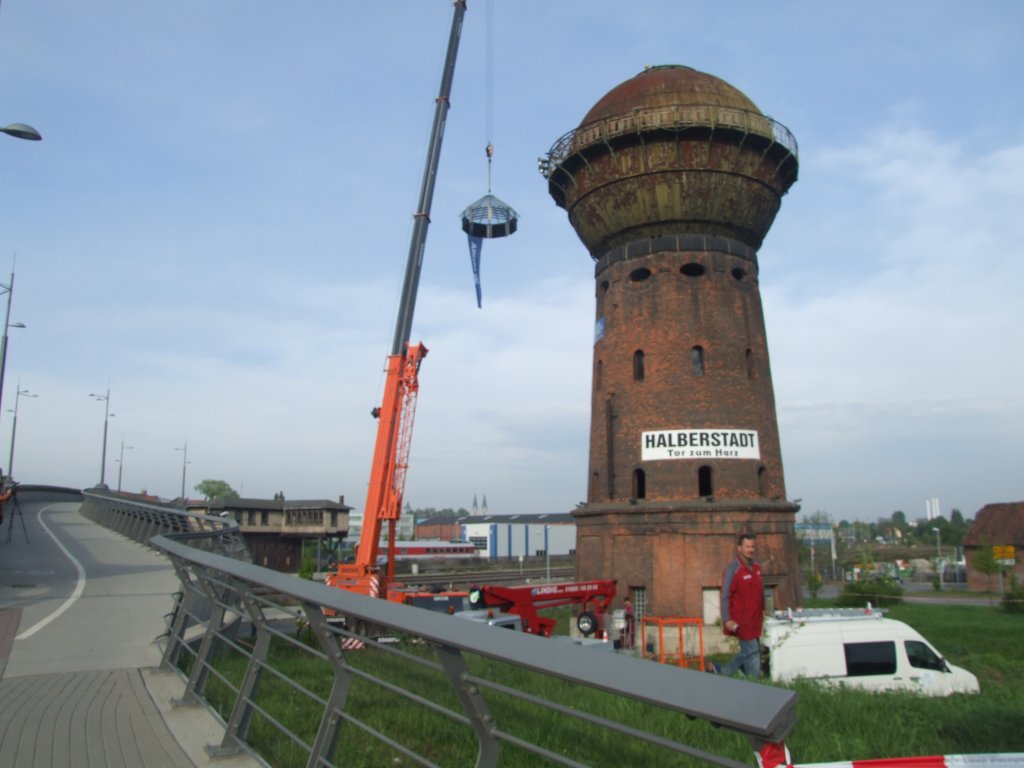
<point x="743" y="607"/>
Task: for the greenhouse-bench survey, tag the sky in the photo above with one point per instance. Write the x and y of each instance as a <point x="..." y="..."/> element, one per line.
<point x="216" y="224"/>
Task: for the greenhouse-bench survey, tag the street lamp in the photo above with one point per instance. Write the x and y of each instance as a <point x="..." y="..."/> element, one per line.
<point x="547" y="554"/>
<point x="107" y="416"/>
<point x="14" y="426"/>
<point x="938" y="556"/>
<point x="21" y="131"/>
<point x="9" y="289"/>
<point x="184" y="464"/>
<point x="120" y="464"/>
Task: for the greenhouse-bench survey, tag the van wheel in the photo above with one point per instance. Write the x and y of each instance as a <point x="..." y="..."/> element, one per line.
<point x="586" y="623"/>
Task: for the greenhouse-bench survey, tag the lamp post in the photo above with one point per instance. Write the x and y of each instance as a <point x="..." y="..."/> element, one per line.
<point x="9" y="290"/>
<point x="547" y="553"/>
<point x="120" y="464"/>
<point x="184" y="465"/>
<point x="18" y="131"/>
<point x="14" y="426"/>
<point x="938" y="556"/>
<point x="107" y="416"/>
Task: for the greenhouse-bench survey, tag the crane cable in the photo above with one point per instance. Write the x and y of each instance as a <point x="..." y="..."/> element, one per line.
<point x="489" y="86"/>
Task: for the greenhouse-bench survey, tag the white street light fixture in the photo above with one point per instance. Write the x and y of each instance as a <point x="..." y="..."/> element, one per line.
<point x="21" y="131"/>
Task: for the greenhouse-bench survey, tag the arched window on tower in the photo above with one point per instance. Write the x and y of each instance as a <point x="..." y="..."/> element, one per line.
<point x="697" y="358"/>
<point x="750" y="363"/>
<point x="639" y="484"/>
<point x="762" y="482"/>
<point x="598" y="374"/>
<point x="704" y="488"/>
<point x="638" y="365"/>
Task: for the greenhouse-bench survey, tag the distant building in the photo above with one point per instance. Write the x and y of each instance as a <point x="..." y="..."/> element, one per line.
<point x="515" y="536"/>
<point x="274" y="529"/>
<point x="1000" y="526"/>
<point x="405" y="526"/>
<point x="443" y="527"/>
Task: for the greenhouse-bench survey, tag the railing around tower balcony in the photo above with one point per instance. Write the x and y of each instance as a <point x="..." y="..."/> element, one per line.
<point x="674" y="118"/>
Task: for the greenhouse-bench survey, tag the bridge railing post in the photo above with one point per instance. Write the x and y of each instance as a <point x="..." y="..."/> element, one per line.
<point x="178" y="617"/>
<point x="204" y="655"/>
<point x="237" y="730"/>
<point x="474" y="705"/>
<point x="331" y="721"/>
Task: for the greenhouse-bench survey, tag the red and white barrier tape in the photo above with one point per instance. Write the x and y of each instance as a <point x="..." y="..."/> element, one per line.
<point x="777" y="756"/>
<point x="994" y="760"/>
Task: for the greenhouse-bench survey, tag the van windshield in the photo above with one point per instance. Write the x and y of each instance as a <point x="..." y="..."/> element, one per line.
<point x="923" y="657"/>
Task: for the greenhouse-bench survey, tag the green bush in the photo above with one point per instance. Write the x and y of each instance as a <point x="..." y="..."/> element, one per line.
<point x="1013" y="598"/>
<point x="813" y="584"/>
<point x="308" y="568"/>
<point x="880" y="592"/>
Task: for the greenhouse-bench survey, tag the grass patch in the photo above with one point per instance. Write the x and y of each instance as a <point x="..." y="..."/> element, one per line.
<point x="834" y="724"/>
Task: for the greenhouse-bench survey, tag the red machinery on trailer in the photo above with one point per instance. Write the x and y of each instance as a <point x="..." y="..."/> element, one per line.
<point x="594" y="598"/>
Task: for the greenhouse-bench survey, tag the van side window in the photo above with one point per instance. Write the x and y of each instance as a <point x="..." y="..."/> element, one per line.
<point x="870" y="658"/>
<point x="923" y="657"/>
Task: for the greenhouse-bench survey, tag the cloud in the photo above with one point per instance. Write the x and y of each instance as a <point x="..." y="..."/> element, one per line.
<point x="907" y="339"/>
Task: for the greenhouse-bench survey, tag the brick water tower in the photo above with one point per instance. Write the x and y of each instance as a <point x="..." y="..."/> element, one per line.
<point x="672" y="181"/>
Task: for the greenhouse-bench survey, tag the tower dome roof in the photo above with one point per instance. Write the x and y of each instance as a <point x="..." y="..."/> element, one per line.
<point x="671" y="151"/>
<point x="665" y="86"/>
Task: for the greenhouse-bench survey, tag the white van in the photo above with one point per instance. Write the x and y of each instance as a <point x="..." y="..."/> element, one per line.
<point x="859" y="648"/>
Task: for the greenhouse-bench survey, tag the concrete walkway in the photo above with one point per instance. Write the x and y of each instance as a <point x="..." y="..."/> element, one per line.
<point x="81" y="609"/>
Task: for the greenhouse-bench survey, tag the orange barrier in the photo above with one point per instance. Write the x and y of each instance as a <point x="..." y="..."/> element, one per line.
<point x="661" y="651"/>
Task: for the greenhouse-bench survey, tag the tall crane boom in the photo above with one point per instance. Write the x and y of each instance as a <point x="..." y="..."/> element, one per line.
<point x="397" y="410"/>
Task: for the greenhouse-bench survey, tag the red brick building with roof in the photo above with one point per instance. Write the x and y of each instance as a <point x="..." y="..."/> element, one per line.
<point x="995" y="525"/>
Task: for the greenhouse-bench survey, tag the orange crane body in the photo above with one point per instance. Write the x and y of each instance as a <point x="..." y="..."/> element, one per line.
<point x="396" y="415"/>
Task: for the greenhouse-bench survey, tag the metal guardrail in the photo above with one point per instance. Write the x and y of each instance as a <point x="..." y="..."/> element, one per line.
<point x="444" y="669"/>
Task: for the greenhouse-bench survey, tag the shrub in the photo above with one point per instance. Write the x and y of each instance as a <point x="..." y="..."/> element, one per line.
<point x="880" y="592"/>
<point x="814" y="584"/>
<point x="308" y="568"/>
<point x="1013" y="598"/>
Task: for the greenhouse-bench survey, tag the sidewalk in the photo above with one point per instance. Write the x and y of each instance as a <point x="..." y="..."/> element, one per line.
<point x="81" y="609"/>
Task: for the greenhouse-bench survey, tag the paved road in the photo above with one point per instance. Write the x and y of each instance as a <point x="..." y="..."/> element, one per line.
<point x="920" y="592"/>
<point x="80" y="610"/>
